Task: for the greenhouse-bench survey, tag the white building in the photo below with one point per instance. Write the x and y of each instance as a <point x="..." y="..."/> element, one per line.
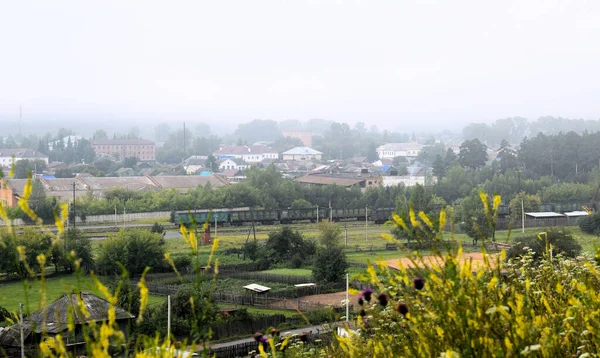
<point x="301" y="153"/>
<point x="6" y="156"/>
<point x="232" y="164"/>
<point x="249" y="154"/>
<point x="407" y="180"/>
<point x="393" y="150"/>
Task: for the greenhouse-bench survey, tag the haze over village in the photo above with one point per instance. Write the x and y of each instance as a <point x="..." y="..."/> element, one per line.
<point x="299" y="179"/>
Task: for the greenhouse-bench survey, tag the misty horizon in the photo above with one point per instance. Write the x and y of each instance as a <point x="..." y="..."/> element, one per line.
<point x="404" y="67"/>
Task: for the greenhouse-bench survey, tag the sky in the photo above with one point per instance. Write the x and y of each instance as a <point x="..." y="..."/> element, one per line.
<point x="401" y="65"/>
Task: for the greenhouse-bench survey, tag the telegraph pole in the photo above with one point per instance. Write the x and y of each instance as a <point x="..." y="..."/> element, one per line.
<point x="74" y="217"/>
<point x="366" y="224"/>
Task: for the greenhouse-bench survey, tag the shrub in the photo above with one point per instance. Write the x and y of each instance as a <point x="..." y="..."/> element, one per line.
<point x="590" y="224"/>
<point x="135" y="249"/>
<point x="561" y="240"/>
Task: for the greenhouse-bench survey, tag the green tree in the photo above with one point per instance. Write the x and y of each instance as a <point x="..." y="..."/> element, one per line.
<point x="472" y="217"/>
<point x="135" y="249"/>
<point x="560" y="240"/>
<point x="76" y="242"/>
<point x="472" y="154"/>
<point x="211" y="163"/>
<point x="439" y="167"/>
<point x="372" y="154"/>
<point x="529" y="202"/>
<point x="301" y="204"/>
<point x="507" y="157"/>
<point x="100" y="134"/>
<point x="286" y="246"/>
<point x="330" y="263"/>
<point x="130" y="162"/>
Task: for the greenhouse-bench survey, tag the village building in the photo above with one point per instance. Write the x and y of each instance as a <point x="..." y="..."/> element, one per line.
<point x="62" y="188"/>
<point x="194" y="164"/>
<point x="304" y="136"/>
<point x="232" y="163"/>
<point x="55" y="319"/>
<point x="393" y="150"/>
<point x="141" y="149"/>
<point x="249" y="154"/>
<point x="302" y="153"/>
<point x="346" y="180"/>
<point x="8" y="157"/>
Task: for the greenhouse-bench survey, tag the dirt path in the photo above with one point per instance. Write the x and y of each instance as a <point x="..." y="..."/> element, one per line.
<point x="476" y="257"/>
<point x="336" y="298"/>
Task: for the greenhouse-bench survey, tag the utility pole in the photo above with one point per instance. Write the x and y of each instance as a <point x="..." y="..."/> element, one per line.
<point x="115" y="216"/>
<point x="346" y="233"/>
<point x="366" y="224"/>
<point x="522" y="216"/>
<point x="317" y="213"/>
<point x="74" y="217"/>
<point x="330" y="212"/>
<point x="169" y="319"/>
<point x="347" y="297"/>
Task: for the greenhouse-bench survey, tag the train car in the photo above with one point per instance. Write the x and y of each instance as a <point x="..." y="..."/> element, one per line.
<point x="260" y="216"/>
<point x="349" y="214"/>
<point x="200" y="217"/>
<point x="267" y="217"/>
<point x="381" y="215"/>
<point x="287" y="216"/>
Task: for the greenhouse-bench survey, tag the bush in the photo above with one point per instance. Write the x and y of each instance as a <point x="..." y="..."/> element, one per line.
<point x="590" y="224"/>
<point x="135" y="249"/>
<point x="157" y="228"/>
<point x="561" y="240"/>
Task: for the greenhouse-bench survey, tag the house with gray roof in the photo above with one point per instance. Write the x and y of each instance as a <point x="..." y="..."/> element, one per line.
<point x="54" y="320"/>
<point x="302" y="153"/>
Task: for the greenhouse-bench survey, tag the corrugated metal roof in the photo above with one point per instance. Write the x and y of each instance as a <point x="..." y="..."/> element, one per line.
<point x="577" y="213"/>
<point x="544" y="214"/>
<point x="302" y="151"/>
<point x="57" y="313"/>
<point x="323" y="180"/>
<point x="257" y="288"/>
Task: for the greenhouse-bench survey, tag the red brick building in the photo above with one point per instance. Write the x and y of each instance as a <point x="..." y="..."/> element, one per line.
<point x="142" y="149"/>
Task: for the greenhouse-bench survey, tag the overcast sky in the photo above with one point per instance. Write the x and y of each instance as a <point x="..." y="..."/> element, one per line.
<point x="397" y="64"/>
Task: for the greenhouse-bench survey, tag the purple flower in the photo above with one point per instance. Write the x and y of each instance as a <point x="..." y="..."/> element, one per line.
<point x="383" y="299"/>
<point x="263" y="339"/>
<point x="402" y="308"/>
<point x="366" y="293"/>
<point x="419" y="283"/>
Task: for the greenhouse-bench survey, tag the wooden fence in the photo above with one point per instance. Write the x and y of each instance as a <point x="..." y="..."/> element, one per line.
<point x="244" y="349"/>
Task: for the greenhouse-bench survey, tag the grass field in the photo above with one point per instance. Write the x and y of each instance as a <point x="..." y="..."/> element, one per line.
<point x="12" y="293"/>
<point x="359" y="251"/>
<point x="290" y="272"/>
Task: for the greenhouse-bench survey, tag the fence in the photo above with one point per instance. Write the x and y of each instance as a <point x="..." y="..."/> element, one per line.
<point x="243" y="349"/>
<point x="120" y="217"/>
<point x="249" y="326"/>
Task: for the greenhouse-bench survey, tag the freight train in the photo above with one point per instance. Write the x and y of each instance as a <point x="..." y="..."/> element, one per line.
<point x="239" y="216"/>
